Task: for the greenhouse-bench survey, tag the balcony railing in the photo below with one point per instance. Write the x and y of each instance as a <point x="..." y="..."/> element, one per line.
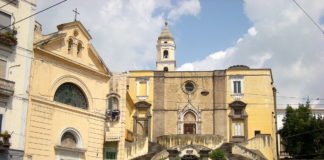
<point x="237" y="96"/>
<point x="7" y="87"/>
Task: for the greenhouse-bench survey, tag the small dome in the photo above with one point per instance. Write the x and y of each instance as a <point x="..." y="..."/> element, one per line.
<point x="165" y="34"/>
<point x="239" y="67"/>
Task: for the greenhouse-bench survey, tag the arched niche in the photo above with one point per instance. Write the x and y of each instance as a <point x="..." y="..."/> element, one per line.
<point x="70" y="145"/>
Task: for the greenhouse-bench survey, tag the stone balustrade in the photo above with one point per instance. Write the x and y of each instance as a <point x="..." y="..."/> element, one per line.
<point x="210" y="141"/>
<point x="137" y="148"/>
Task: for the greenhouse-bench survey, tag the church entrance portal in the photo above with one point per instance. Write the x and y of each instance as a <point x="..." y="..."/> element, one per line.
<point x="189" y="128"/>
<point x="189" y="157"/>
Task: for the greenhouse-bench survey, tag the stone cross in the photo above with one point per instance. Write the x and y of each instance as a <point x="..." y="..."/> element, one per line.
<point x="75" y="13"/>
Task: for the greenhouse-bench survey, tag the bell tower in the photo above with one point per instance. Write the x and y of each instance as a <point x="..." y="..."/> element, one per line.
<point x="165" y="58"/>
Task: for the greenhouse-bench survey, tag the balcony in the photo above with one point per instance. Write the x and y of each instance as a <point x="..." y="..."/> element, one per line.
<point x="8" y="38"/>
<point x="7" y="87"/>
<point x="237" y="96"/>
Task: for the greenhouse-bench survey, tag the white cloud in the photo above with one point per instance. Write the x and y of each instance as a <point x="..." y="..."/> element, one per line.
<point x="124" y="31"/>
<point x="252" y="31"/>
<point x="282" y="38"/>
<point x="185" y="7"/>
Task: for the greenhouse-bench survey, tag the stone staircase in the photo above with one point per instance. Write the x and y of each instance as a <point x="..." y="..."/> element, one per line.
<point x="227" y="148"/>
<point x="154" y="148"/>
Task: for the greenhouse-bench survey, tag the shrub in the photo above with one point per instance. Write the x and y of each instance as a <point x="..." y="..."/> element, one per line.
<point x="217" y="155"/>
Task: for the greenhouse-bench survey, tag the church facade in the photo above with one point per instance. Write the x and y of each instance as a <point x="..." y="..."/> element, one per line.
<point x="77" y="107"/>
<point x="190" y="113"/>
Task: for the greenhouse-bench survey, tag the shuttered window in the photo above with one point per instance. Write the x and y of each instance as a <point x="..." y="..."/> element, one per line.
<point x="3" y="68"/>
<point x="5" y="19"/>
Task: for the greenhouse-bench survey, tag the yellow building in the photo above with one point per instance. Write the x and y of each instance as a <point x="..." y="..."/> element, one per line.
<point x="186" y="114"/>
<point x="72" y="102"/>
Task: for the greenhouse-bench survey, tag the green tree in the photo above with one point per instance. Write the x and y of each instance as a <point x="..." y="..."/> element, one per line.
<point x="302" y="133"/>
<point x="217" y="155"/>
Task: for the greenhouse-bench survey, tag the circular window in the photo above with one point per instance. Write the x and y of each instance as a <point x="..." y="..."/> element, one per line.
<point x="189" y="87"/>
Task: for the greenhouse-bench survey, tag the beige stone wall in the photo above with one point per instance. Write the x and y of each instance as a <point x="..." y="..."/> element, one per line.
<point x="170" y="98"/>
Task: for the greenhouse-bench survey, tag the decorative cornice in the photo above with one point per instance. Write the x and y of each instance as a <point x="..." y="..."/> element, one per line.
<point x="80" y="150"/>
<point x="79" y="65"/>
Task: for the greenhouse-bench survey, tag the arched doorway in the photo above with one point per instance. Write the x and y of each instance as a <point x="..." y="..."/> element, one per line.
<point x="189" y="125"/>
<point x="189" y="157"/>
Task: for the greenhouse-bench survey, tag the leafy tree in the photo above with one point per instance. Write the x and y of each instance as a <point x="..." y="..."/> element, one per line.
<point x="217" y="155"/>
<point x="302" y="133"/>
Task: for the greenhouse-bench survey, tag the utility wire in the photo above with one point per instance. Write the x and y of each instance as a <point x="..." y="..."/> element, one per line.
<point x="318" y="26"/>
<point x="304" y="133"/>
<point x="33" y="14"/>
<point x="8" y="3"/>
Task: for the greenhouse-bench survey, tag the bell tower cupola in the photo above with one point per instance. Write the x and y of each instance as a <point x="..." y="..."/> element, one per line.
<point x="165" y="58"/>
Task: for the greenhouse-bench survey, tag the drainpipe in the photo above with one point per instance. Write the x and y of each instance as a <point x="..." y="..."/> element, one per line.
<point x="275" y="116"/>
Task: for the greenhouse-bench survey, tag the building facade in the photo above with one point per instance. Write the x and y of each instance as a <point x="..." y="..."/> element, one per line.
<point x="190" y="113"/>
<point x="75" y="107"/>
<point x="15" y="60"/>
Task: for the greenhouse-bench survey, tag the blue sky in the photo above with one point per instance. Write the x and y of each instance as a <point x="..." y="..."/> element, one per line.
<point x="210" y="35"/>
<point x="219" y="24"/>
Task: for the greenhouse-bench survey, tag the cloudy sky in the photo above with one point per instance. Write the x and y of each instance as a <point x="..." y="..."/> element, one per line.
<point x="209" y="35"/>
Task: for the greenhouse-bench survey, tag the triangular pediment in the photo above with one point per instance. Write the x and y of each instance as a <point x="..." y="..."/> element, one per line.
<point x="189" y="106"/>
<point x="71" y="43"/>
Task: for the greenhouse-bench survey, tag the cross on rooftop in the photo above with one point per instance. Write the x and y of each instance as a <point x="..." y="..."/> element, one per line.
<point x="75" y="13"/>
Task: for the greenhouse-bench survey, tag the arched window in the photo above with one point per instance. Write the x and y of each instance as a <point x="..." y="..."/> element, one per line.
<point x="112" y="103"/>
<point x="189" y="117"/>
<point x="71" y="94"/>
<point x="165" y="54"/>
<point x="165" y="69"/>
<point x="70" y="43"/>
<point x="69" y="140"/>
<point x="79" y="49"/>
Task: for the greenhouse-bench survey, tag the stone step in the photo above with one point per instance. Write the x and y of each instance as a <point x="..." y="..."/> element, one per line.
<point x="153" y="149"/>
